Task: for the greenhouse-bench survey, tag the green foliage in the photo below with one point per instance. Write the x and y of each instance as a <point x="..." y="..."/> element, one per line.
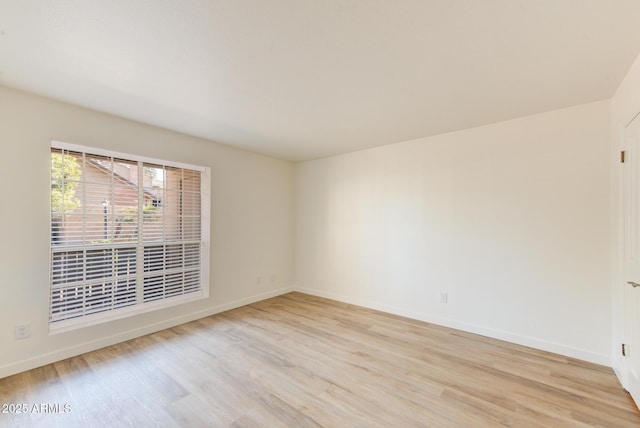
<point x="130" y="215"/>
<point x="149" y="209"/>
<point x="150" y="172"/>
<point x="64" y="180"/>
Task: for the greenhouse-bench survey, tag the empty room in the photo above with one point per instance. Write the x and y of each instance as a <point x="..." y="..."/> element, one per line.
<point x="320" y="213"/>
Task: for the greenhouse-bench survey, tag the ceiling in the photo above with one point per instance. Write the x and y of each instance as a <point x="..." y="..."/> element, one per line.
<point x="303" y="79"/>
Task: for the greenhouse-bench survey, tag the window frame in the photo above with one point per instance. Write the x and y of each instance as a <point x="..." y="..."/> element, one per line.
<point x="140" y="307"/>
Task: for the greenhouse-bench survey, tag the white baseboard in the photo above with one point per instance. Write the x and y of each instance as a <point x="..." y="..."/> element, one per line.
<point x="61" y="354"/>
<point x="507" y="336"/>
<point x="620" y="368"/>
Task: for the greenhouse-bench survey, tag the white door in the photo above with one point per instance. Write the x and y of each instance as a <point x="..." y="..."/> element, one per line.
<point x="631" y="274"/>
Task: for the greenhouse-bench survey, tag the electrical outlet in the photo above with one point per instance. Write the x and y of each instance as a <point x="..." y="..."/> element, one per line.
<point x="443" y="297"/>
<point x="274" y="278"/>
<point x="258" y="280"/>
<point x="22" y="331"/>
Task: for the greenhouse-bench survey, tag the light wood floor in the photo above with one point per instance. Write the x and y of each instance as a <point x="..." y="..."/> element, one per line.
<point x="303" y="361"/>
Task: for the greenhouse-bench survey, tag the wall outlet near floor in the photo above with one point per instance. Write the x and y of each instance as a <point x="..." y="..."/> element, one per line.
<point x="22" y="331"/>
<point x="274" y="278"/>
<point x="443" y="297"/>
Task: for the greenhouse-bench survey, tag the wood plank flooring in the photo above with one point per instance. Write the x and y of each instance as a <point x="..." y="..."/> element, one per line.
<point x="302" y="361"/>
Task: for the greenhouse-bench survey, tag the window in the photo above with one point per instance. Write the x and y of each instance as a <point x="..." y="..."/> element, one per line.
<point x="128" y="235"/>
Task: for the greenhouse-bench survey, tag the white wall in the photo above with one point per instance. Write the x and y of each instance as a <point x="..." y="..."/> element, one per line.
<point x="252" y="223"/>
<point x="511" y="220"/>
<point x="625" y="104"/>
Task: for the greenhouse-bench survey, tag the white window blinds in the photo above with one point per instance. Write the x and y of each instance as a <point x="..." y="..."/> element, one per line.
<point x="127" y="234"/>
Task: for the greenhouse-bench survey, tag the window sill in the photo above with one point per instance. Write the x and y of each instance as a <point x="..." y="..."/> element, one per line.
<point x="58" y="327"/>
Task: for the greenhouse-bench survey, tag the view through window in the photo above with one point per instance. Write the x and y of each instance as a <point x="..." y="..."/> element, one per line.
<point x="125" y="233"/>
